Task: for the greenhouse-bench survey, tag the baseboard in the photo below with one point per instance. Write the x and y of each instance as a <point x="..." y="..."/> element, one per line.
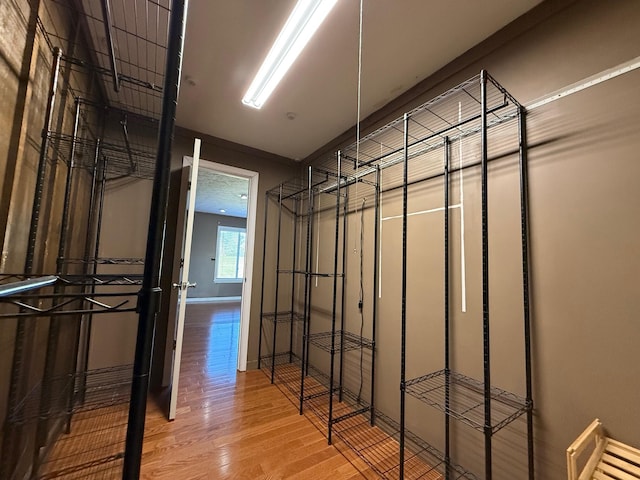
<point x="213" y="299"/>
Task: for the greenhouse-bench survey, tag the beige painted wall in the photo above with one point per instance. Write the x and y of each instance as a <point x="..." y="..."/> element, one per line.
<point x="583" y="165"/>
<point x="123" y="235"/>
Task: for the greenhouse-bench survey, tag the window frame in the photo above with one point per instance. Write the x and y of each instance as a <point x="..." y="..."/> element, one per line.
<point x="237" y="230"/>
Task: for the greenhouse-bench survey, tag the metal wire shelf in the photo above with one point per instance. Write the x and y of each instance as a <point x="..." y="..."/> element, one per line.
<point x="66" y="302"/>
<point x="102" y="279"/>
<point x="466" y="399"/>
<point x="124" y="48"/>
<point x="378" y="447"/>
<point x="321" y="179"/>
<point x="287" y="371"/>
<point x="344" y="407"/>
<point x="348" y="340"/>
<point x="78" y="280"/>
<point x="135" y="160"/>
<point x="91" y="390"/>
<point x="283" y="317"/>
<point x="452" y="116"/>
<point x="311" y="274"/>
<point x="286" y="368"/>
<point x="93" y="449"/>
<point x="105" y="261"/>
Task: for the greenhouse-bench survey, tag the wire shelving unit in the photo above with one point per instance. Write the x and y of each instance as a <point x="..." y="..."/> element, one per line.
<point x="417" y="149"/>
<point x="109" y="117"/>
<point x="311" y="360"/>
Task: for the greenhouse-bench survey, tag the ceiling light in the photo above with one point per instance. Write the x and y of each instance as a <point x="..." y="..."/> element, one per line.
<point x="243" y="196"/>
<point x="304" y="20"/>
<point x="222" y="210"/>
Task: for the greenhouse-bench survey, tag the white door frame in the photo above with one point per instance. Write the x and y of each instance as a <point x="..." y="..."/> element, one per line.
<point x="252" y="205"/>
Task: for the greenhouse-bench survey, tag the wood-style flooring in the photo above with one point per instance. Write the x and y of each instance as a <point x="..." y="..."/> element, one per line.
<point x="232" y="425"/>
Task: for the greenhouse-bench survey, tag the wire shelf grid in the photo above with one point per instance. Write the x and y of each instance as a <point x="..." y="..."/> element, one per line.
<point x="452" y="116"/>
<point x="283" y="317"/>
<point x="127" y="47"/>
<point x="348" y="340"/>
<point x="466" y="401"/>
<point x="91" y="390"/>
<point x="378" y="447"/>
<point x="94" y="448"/>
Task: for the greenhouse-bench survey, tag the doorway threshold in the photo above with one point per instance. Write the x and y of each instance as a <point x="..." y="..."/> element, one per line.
<point x="213" y="299"/>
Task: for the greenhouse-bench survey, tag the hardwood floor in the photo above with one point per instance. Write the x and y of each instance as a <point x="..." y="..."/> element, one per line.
<point x="232" y="425"/>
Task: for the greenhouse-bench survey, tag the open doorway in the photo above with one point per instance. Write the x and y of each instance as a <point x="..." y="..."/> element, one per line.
<point x="218" y="243"/>
<point x="234" y="252"/>
<point x="223" y="241"/>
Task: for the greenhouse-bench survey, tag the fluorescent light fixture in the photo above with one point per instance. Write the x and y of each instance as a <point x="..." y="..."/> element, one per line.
<point x="303" y="22"/>
<point x="243" y="196"/>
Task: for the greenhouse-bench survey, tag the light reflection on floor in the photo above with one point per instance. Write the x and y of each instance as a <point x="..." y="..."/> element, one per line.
<point x="222" y="344"/>
<point x="210" y="347"/>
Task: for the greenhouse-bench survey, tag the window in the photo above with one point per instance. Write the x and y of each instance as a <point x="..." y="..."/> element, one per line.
<point x="230" y="254"/>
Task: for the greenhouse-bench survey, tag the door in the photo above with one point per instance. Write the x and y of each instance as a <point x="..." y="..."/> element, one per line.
<point x="183" y="283"/>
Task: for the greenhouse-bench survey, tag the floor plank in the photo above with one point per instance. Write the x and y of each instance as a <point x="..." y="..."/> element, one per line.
<point x="232" y="425"/>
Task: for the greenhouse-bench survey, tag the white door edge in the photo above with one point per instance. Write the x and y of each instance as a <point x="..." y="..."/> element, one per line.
<point x="184" y="280"/>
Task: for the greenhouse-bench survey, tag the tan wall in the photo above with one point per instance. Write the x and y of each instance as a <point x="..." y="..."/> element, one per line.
<point x="123" y="235"/>
<point x="584" y="221"/>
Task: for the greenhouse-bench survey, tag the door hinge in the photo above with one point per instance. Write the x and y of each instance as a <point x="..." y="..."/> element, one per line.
<point x="175" y="344"/>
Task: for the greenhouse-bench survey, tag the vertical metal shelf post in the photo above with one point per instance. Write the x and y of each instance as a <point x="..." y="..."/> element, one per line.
<point x="447" y="319"/>
<point x="89" y="238"/>
<point x="64" y="227"/>
<point x="149" y="296"/>
<point x="334" y="305"/>
<point x="485" y="276"/>
<point x="524" y="226"/>
<point x="403" y="318"/>
<point x="25" y="327"/>
<point x="309" y="269"/>
<point x="103" y="189"/>
<point x="275" y="318"/>
<point x="94" y="269"/>
<point x="345" y="208"/>
<point x="90" y="290"/>
<point x="54" y="322"/>
<point x="374" y="294"/>
<point x="293" y="276"/>
<point x="64" y="230"/>
<point x="264" y="273"/>
<point x="307" y="289"/>
<point x="42" y="162"/>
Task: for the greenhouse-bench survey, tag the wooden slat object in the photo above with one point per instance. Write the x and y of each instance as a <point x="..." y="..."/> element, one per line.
<point x="609" y="459"/>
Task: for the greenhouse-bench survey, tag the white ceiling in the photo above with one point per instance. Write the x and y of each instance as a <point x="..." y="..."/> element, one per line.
<point x="404" y="41"/>
<point x="216" y="191"/>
